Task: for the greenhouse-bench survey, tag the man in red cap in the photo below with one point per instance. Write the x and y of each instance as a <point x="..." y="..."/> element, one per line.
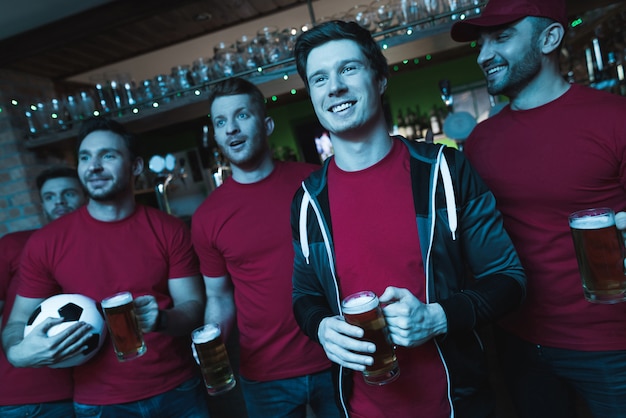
<point x="556" y="148"/>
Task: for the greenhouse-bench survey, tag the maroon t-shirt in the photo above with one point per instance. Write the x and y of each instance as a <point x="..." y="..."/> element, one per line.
<point x="24" y="385"/>
<point x="376" y="246"/>
<point x="543" y="164"/>
<point x="243" y="230"/>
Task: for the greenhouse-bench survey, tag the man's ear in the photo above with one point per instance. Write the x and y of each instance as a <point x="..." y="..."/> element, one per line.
<point x="551" y="38"/>
<point x="269" y="126"/>
<point x="382" y="85"/>
<point x="137" y="166"/>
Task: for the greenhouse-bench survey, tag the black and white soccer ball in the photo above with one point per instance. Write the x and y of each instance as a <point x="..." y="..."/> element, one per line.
<point x="72" y="308"/>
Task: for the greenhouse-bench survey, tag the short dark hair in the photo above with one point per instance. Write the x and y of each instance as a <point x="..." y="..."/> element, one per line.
<point x="55" y="173"/>
<point x="99" y="123"/>
<point x="336" y="30"/>
<point x="234" y="86"/>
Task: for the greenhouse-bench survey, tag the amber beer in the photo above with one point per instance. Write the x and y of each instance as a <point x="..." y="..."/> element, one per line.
<point x="600" y="253"/>
<point x="363" y="310"/>
<point x="213" y="358"/>
<point x="119" y="312"/>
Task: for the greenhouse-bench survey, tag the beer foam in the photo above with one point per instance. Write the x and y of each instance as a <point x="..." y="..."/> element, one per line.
<point x="361" y="302"/>
<point x="117" y="300"/>
<point x="592" y="222"/>
<point x="205" y="334"/>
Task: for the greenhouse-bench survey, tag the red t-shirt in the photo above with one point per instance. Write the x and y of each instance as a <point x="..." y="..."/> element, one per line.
<point x="140" y="254"/>
<point x="543" y="164"/>
<point x="376" y="246"/>
<point x="243" y="230"/>
<point x="24" y="385"/>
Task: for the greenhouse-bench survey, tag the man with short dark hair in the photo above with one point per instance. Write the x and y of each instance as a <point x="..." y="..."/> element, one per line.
<point x="41" y="392"/>
<point x="110" y="245"/>
<point x="555" y="149"/>
<point x="409" y="221"/>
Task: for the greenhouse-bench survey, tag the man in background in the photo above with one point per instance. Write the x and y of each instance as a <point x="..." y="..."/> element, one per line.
<point x="241" y="234"/>
<point x="41" y="392"/>
<point x="110" y="245"/>
<point x="555" y="149"/>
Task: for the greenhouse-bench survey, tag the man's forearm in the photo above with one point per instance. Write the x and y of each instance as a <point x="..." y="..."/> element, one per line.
<point x="12" y="335"/>
<point x="181" y="319"/>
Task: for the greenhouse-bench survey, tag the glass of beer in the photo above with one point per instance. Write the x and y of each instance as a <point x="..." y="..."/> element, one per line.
<point x="119" y="312"/>
<point x="213" y="359"/>
<point x="600" y="253"/>
<point x="363" y="310"/>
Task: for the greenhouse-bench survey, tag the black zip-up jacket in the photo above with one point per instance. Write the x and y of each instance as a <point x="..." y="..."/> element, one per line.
<point x="471" y="267"/>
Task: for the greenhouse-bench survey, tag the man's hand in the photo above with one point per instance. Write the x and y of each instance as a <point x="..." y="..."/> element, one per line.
<point x="411" y="322"/>
<point x="620" y="221"/>
<point x="342" y="345"/>
<point x="37" y="349"/>
<point x="147" y="311"/>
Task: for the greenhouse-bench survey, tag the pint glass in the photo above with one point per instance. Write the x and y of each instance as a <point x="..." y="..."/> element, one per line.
<point x="363" y="310"/>
<point x="213" y="358"/>
<point x="600" y="253"/>
<point x="119" y="312"/>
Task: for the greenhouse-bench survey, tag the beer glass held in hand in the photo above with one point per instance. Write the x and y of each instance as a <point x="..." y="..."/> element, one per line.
<point x="600" y="253"/>
<point x="213" y="358"/>
<point x="119" y="312"/>
<point x="363" y="310"/>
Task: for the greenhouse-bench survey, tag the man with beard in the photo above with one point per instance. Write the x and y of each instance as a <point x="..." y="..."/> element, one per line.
<point x="111" y="245"/>
<point x="411" y="222"/>
<point x="555" y="149"/>
<point x="42" y="392"/>
<point x="242" y="236"/>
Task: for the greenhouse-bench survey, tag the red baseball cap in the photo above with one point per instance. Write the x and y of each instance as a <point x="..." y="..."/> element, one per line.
<point x="502" y="12"/>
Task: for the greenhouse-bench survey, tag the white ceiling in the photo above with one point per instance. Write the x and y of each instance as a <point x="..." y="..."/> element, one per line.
<point x="18" y="16"/>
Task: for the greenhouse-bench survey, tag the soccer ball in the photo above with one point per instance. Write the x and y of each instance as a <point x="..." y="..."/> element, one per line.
<point x="72" y="308"/>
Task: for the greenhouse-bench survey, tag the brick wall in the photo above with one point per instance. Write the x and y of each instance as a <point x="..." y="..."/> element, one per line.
<point x="19" y="201"/>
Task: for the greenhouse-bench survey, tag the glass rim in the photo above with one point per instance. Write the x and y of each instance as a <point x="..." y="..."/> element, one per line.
<point x="366" y="305"/>
<point x="109" y="301"/>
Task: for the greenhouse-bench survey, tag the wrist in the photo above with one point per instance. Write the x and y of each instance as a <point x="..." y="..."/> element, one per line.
<point x="439" y="323"/>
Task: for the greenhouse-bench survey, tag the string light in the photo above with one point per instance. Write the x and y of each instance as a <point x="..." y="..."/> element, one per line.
<point x="14" y="102"/>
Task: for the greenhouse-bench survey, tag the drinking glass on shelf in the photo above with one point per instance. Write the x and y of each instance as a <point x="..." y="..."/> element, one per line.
<point x="202" y="71"/>
<point x="409" y="11"/>
<point x="162" y="87"/>
<point x="271" y="48"/>
<point x="181" y="77"/>
<point x="250" y="52"/>
<point x="383" y="13"/>
<point x="362" y="15"/>
<point x="73" y="108"/>
<point x="227" y="59"/>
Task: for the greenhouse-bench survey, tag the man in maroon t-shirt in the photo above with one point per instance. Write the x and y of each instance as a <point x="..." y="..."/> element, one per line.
<point x="242" y="237"/>
<point x="555" y="149"/>
<point x="46" y="390"/>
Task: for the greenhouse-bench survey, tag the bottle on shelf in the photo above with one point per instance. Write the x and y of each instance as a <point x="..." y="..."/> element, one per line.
<point x="417" y="124"/>
<point x="221" y="170"/>
<point x="400" y="124"/>
<point x="409" y="125"/>
<point x="435" y="122"/>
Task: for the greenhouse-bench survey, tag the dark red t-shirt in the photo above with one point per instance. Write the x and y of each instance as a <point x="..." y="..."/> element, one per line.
<point x="543" y="164"/>
<point x="376" y="246"/>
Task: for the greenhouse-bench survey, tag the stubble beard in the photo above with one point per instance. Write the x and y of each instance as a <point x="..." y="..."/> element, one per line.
<point x="519" y="75"/>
